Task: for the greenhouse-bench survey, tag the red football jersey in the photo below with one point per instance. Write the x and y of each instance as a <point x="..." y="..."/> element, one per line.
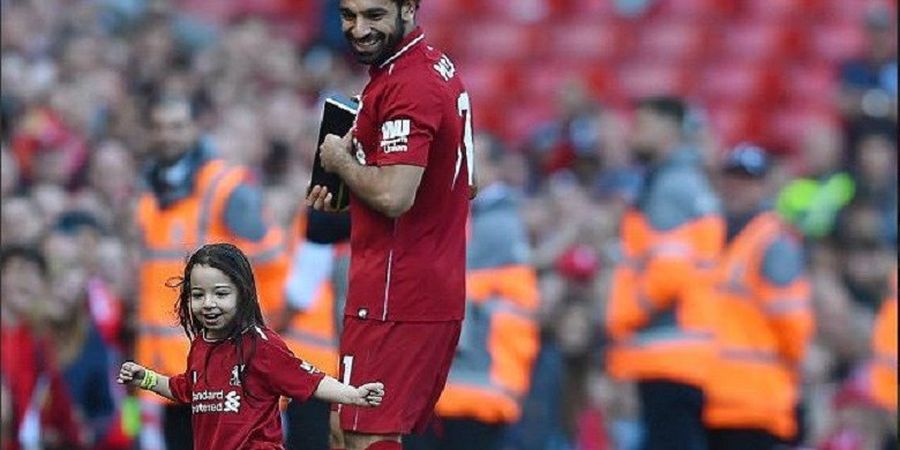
<point x="224" y="414"/>
<point x="413" y="111"/>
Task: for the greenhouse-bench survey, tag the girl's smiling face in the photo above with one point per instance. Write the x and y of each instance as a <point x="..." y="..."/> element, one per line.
<point x="214" y="299"/>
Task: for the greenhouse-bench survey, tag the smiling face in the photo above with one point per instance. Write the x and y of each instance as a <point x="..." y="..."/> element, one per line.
<point x="214" y="300"/>
<point x="375" y="27"/>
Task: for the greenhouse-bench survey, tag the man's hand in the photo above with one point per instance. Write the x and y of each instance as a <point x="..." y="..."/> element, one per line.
<point x="320" y="199"/>
<point x="336" y="151"/>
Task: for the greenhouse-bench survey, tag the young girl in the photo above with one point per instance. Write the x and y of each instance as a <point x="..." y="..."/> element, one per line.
<point x="237" y="368"/>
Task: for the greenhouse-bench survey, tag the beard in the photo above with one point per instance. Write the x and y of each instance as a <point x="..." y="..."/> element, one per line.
<point x="378" y="53"/>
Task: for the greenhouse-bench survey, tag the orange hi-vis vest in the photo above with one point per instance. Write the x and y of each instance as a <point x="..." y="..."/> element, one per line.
<point x="883" y="367"/>
<point x="169" y="235"/>
<point x="660" y="312"/>
<point x="763" y="331"/>
<point x="491" y="373"/>
<point x="311" y="335"/>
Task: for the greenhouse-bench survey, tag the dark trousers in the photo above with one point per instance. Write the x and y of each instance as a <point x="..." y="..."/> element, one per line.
<point x="742" y="439"/>
<point x="177" y="429"/>
<point x="672" y="416"/>
<point x="456" y="434"/>
<point x="307" y="425"/>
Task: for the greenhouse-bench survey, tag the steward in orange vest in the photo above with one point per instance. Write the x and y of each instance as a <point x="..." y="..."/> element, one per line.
<point x="882" y="371"/>
<point x="765" y="316"/>
<point x="661" y="310"/>
<point x="192" y="198"/>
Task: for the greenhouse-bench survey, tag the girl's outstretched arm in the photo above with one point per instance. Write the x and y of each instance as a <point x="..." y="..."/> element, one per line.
<point x="138" y="375"/>
<point x="333" y="391"/>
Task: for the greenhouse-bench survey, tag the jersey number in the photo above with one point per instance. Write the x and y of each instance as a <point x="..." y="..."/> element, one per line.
<point x="347" y="362"/>
<point x="464" y="108"/>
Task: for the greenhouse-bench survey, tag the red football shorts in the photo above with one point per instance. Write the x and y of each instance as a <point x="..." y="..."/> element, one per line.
<point x="412" y="359"/>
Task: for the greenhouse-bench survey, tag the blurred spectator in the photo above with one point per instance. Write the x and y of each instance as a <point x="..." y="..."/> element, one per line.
<point x="874" y="166"/>
<point x="111" y="173"/>
<point x="870" y="82"/>
<point x="192" y="197"/>
<point x="83" y="357"/>
<point x="867" y="260"/>
<point x="9" y="173"/>
<point x="21" y="222"/>
<point x="572" y="141"/>
<point x="43" y="412"/>
<point x="658" y="316"/>
<point x="812" y="203"/>
<point x="764" y="320"/>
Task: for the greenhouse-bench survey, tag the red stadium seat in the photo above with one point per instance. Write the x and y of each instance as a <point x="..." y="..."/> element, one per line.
<point x="489" y="79"/>
<point x="735" y="123"/>
<point x="856" y="10"/>
<point x="837" y="42"/>
<point x="586" y="41"/>
<point x="711" y="10"/>
<point x="787" y="126"/>
<point x="497" y="41"/>
<point x="783" y="10"/>
<point x="760" y="41"/>
<point x="737" y="81"/>
<point x="527" y="116"/>
<point x="672" y="40"/>
<point x="643" y="78"/>
<point x="812" y="84"/>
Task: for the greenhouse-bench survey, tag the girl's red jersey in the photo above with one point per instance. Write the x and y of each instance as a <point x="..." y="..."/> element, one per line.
<point x="228" y="414"/>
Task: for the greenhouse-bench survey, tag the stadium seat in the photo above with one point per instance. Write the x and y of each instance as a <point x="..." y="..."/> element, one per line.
<point x="497" y="41"/>
<point x="814" y="84"/>
<point x="735" y="123"/>
<point x="784" y="10"/>
<point x="529" y="115"/>
<point x="595" y="41"/>
<point x="489" y="78"/>
<point x="643" y="78"/>
<point x="759" y="41"/>
<point x="738" y="81"/>
<point x="836" y="42"/>
<point x="710" y="10"/>
<point x="673" y="40"/>
<point x="788" y="125"/>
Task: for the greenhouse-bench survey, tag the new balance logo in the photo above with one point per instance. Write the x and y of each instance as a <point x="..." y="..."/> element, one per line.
<point x="445" y="68"/>
<point x="232" y="402"/>
<point x="395" y="135"/>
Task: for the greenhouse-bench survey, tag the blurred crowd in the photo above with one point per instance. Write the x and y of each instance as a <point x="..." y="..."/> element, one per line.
<point x="76" y="79"/>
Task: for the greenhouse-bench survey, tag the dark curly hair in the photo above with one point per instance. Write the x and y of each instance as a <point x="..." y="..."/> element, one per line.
<point x="235" y="265"/>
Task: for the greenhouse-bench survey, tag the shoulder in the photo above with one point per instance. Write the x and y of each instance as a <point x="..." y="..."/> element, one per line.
<point x="427" y="71"/>
<point x="267" y="339"/>
<point x="783" y="260"/>
<point x="680" y="194"/>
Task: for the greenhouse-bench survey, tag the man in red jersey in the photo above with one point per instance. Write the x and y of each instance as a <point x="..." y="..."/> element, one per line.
<point x="408" y="162"/>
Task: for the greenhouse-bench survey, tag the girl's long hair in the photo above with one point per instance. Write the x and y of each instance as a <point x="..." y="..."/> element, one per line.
<point x="234" y="264"/>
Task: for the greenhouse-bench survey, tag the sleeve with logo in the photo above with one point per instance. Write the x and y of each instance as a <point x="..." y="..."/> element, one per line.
<point x="284" y="374"/>
<point x="411" y="118"/>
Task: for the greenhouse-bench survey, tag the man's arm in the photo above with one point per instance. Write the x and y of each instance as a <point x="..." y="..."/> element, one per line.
<point x="390" y="190"/>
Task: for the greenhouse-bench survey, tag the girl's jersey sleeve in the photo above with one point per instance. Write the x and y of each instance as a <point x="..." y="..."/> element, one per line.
<point x="181" y="388"/>
<point x="283" y="373"/>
